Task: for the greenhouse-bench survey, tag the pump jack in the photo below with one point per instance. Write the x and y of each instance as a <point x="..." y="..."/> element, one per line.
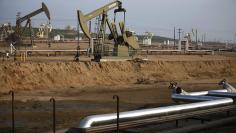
<point x="19" y="32"/>
<point x="122" y="43"/>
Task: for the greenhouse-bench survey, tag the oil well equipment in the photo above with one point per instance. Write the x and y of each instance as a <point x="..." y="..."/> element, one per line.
<point x="125" y="43"/>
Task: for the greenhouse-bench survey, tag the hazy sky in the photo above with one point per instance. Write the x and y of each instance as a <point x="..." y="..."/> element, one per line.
<point x="216" y="18"/>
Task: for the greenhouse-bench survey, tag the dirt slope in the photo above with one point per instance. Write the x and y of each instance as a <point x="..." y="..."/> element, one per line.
<point x="30" y="76"/>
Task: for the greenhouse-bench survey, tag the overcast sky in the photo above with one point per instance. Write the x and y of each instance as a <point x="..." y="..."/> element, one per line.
<point x="216" y="18"/>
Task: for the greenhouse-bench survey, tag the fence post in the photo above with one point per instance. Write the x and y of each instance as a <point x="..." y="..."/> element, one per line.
<point x="12" y="110"/>
<point x="117" y="111"/>
<point x="54" y="114"/>
<point x="177" y="123"/>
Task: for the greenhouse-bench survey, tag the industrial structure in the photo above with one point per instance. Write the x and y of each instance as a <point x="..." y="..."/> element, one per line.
<point x="147" y="40"/>
<point x="44" y="30"/>
<point x="124" y="44"/>
<point x="119" y="42"/>
<point x="17" y="36"/>
<point x="5" y="31"/>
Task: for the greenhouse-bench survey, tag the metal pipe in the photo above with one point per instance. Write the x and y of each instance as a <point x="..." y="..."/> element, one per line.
<point x="191" y="98"/>
<point x="222" y="94"/>
<point x="94" y="120"/>
<point x="227" y="91"/>
<point x="179" y="90"/>
<point x="206" y="103"/>
<point x="59" y="50"/>
<point x="230" y="90"/>
<point x="205" y="92"/>
<point x="178" y="94"/>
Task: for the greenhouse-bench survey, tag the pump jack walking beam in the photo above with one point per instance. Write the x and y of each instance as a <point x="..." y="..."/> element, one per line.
<point x="83" y="19"/>
<point x="28" y="18"/>
<point x="43" y="9"/>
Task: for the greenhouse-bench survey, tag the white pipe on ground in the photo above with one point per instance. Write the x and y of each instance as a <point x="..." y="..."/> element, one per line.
<point x="206" y="103"/>
<point x="144" y="113"/>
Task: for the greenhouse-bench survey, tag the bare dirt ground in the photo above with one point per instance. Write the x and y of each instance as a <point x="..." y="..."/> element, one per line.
<point x="86" y="88"/>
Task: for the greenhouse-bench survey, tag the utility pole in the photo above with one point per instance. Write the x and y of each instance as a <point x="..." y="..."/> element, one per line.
<point x="235" y="38"/>
<point x="91" y="47"/>
<point x="204" y="37"/>
<point x="179" y="31"/>
<point x="18" y="14"/>
<point x="202" y="40"/>
<point x="174" y="37"/>
<point x="196" y="36"/>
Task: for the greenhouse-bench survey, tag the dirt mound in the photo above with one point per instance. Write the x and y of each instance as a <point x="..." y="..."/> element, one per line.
<point x="53" y="75"/>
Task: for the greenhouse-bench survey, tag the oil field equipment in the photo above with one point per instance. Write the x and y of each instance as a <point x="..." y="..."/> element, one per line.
<point x="44" y="30"/>
<point x="5" y="31"/>
<point x="17" y="36"/>
<point x="124" y="44"/>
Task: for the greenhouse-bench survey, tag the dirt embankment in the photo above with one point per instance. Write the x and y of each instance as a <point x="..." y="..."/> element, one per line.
<point x="30" y="76"/>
